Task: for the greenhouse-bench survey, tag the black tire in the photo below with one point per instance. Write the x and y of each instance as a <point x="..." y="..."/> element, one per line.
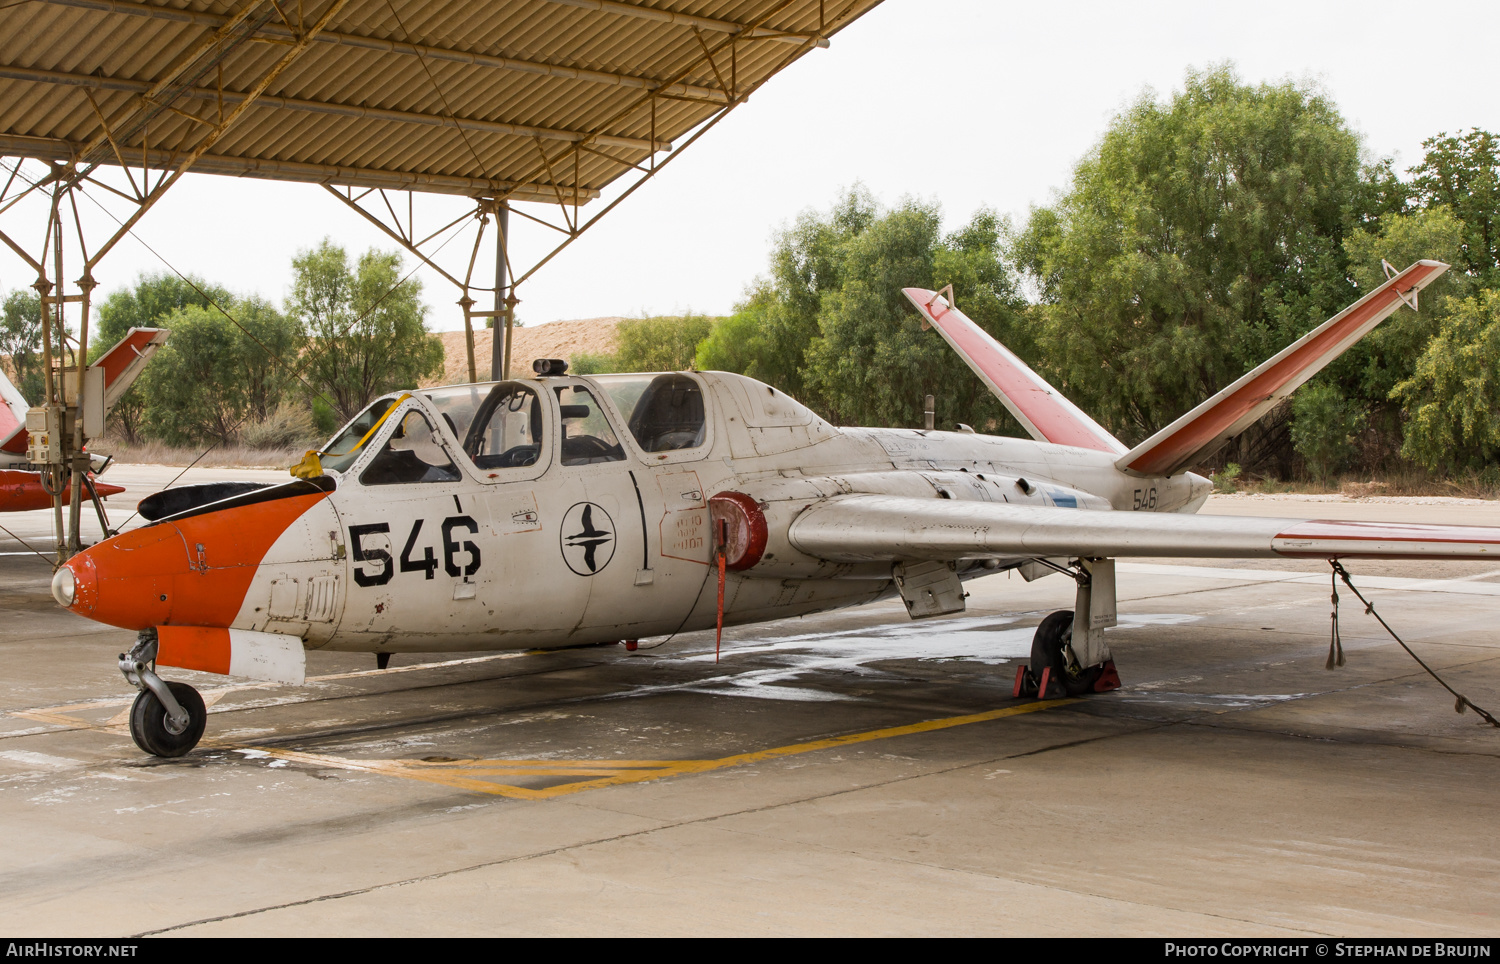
<point x="1055" y="632"/>
<point x="1047" y="644"/>
<point x="151" y="731"/>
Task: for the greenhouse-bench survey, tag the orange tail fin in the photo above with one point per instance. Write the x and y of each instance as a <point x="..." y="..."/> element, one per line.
<point x="1198" y="433"/>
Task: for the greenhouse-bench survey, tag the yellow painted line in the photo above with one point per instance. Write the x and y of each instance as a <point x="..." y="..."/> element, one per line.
<point x="61" y="715"/>
<point x="465" y="774"/>
<point x="56" y="718"/>
<point x="476" y="774"/>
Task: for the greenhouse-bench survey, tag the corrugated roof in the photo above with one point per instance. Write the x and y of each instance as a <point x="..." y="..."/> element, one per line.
<point x="525" y="99"/>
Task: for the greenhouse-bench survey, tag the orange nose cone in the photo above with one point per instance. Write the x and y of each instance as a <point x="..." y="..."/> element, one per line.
<point x="193" y="570"/>
<point x="128" y="581"/>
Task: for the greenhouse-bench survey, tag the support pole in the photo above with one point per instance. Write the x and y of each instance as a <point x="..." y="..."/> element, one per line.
<point x="467" y="304"/>
<point x="57" y="402"/>
<point x="500" y="354"/>
<point x="510" y="317"/>
<point x="78" y="459"/>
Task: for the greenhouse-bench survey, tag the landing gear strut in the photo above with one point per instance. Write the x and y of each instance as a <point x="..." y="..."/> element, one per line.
<point x="166" y="719"/>
<point x="1068" y="657"/>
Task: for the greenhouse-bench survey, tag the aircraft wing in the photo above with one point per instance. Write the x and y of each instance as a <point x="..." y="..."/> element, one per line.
<point x="874" y="528"/>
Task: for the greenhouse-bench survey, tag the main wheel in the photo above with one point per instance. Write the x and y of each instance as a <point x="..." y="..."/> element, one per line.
<point x="1048" y="651"/>
<point x="154" y="733"/>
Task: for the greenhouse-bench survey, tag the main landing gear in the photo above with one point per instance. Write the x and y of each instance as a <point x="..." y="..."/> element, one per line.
<point x="1054" y="671"/>
<point x="166" y="719"/>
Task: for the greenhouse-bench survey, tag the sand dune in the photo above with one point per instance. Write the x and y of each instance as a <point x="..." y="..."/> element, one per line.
<point x="558" y="339"/>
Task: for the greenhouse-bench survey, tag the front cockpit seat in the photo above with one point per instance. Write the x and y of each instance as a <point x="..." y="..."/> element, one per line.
<point x="669" y="415"/>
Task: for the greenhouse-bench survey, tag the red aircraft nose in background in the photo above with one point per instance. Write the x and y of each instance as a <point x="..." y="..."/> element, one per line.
<point x="22" y="491"/>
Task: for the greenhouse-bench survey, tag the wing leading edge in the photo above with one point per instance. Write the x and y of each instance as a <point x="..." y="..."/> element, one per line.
<point x="872" y="528"/>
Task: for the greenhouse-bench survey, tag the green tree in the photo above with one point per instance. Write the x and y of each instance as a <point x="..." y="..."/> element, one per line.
<point x="830" y="325"/>
<point x="21" y="342"/>
<point x="1453" y="397"/>
<point x="1463" y="174"/>
<point x="660" y="344"/>
<point x="1325" y="428"/>
<point x="367" y="327"/>
<point x="871" y="363"/>
<point x="214" y="377"/>
<point x="741" y="342"/>
<point x="1200" y="236"/>
<point x="592" y="363"/>
<point x="1455" y="216"/>
<point x="1386" y="355"/>
<point x="773" y="328"/>
<point x="154" y="297"/>
<point x="1367" y="373"/>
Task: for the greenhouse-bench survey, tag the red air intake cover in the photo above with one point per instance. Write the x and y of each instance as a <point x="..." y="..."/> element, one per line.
<point x="740" y="525"/>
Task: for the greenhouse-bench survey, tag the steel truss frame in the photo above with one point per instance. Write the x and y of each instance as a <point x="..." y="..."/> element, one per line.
<point x="62" y="406"/>
<point x="193" y="89"/>
<point x="561" y="167"/>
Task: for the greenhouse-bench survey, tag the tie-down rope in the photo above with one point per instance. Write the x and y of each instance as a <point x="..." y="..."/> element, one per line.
<point x="1336" y="647"/>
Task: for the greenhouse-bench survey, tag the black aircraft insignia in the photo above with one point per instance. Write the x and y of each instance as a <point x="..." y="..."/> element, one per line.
<point x="587" y="527"/>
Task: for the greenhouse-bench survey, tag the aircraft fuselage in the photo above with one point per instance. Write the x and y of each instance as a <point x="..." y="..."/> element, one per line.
<point x="578" y="513"/>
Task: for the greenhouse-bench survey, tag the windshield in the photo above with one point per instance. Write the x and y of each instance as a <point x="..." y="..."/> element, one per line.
<point x="457" y="404"/>
<point x="499" y="425"/>
<point x="413" y="452"/>
<point x="587" y="435"/>
<point x="339" y="454"/>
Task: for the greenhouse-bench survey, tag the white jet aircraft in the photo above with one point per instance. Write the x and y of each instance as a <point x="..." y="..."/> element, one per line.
<point x="560" y="510"/>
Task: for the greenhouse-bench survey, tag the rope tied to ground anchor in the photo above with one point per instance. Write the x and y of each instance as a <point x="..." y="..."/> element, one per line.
<point x="1461" y="702"/>
<point x="1335" y="642"/>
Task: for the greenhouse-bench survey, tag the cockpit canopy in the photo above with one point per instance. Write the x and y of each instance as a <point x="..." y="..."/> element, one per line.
<point x="664" y="413"/>
<point x="502" y="425"/>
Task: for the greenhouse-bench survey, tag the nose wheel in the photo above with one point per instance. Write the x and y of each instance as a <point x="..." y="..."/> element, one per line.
<point x="153" y="728"/>
<point x="166" y="719"/>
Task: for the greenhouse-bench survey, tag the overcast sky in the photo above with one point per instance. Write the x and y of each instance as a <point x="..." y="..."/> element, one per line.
<point x="965" y="102"/>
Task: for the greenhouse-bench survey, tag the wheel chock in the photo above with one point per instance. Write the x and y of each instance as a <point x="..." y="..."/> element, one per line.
<point x="1109" y="678"/>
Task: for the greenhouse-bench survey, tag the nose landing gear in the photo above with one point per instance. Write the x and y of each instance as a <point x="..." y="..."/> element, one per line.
<point x="167" y="719"/>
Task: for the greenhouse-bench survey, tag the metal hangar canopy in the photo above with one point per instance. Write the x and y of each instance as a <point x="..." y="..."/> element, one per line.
<point x="526" y="100"/>
<point x="493" y="100"/>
